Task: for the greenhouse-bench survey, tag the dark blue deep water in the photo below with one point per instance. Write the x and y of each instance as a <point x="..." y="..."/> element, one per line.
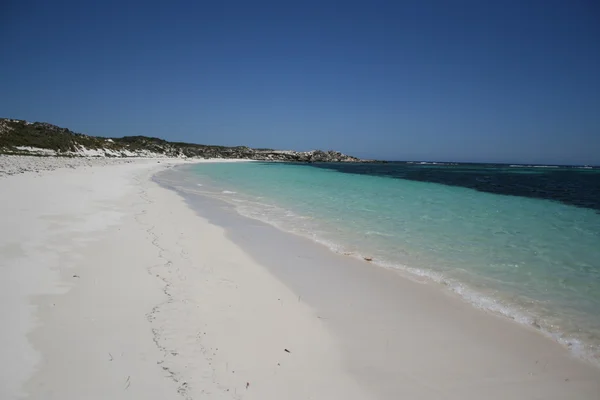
<point x="577" y="186"/>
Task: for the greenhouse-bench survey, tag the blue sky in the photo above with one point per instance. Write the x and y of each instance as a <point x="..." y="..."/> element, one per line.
<point x="512" y="81"/>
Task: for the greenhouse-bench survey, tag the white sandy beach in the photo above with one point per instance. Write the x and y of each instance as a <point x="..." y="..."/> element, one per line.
<point x="114" y="288"/>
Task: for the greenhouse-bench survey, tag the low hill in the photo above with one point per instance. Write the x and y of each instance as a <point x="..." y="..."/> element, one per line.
<point x="43" y="139"/>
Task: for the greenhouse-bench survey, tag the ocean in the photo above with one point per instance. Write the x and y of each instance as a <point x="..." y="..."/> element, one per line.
<point x="521" y="241"/>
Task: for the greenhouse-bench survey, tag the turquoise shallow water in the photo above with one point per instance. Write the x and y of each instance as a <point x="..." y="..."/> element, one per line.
<point x="531" y="259"/>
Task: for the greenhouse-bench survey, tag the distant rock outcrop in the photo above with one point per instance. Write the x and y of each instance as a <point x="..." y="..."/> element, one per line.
<point x="40" y="138"/>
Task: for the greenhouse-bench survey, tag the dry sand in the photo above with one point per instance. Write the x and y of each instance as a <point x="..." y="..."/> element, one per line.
<point x="114" y="288"/>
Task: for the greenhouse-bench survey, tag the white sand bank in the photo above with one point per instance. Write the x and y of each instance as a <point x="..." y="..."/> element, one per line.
<point x="13" y="165"/>
<point x="114" y="288"/>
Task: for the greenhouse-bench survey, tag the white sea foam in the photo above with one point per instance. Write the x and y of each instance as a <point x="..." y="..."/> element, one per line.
<point x="431" y="163"/>
<point x="532" y="166"/>
<point x="376" y="233"/>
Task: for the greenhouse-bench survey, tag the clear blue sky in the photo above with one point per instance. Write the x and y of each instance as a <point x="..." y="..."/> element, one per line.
<point x="479" y="80"/>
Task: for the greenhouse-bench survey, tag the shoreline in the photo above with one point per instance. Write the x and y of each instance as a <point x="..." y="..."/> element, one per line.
<point x="137" y="291"/>
<point x="484" y="301"/>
